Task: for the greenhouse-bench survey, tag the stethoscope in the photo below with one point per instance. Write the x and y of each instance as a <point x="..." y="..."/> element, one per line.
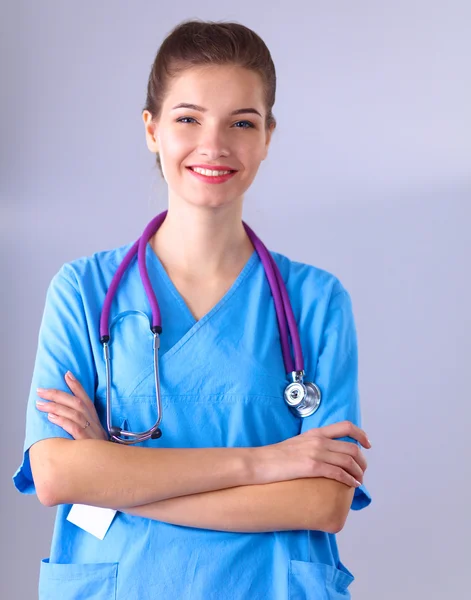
<point x="302" y="397"/>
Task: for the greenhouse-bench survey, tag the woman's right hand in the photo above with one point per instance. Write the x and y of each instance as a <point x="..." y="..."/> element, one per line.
<point x="316" y="453"/>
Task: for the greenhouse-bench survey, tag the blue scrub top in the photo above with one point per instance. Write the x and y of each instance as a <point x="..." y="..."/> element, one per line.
<point x="222" y="381"/>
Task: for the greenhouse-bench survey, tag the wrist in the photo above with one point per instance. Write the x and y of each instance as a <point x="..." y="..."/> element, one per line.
<point x="256" y="466"/>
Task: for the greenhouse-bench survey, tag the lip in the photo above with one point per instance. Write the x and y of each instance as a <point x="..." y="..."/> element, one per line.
<point x="212" y="167"/>
<point x="212" y="180"/>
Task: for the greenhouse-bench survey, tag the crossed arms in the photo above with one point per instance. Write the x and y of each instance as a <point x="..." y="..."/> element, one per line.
<point x="211" y="488"/>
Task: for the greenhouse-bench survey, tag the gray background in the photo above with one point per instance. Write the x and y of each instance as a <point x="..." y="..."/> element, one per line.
<point x="370" y="166"/>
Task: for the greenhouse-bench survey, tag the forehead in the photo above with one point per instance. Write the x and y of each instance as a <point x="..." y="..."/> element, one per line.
<point x="216" y="86"/>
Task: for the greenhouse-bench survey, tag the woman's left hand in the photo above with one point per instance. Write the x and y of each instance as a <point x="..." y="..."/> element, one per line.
<point x="75" y="412"/>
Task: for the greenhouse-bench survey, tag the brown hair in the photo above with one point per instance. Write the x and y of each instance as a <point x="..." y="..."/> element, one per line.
<point x="196" y="43"/>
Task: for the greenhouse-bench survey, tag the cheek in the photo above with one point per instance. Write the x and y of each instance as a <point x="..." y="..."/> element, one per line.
<point x="251" y="149"/>
<point x="175" y="147"/>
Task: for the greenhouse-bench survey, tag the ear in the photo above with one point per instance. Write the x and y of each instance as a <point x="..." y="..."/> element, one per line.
<point x="152" y="133"/>
<point x="268" y="140"/>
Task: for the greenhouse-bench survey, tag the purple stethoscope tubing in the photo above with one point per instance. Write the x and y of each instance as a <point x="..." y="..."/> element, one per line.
<point x="303" y="398"/>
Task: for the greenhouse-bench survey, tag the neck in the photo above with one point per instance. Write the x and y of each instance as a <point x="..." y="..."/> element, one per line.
<point x="196" y="242"/>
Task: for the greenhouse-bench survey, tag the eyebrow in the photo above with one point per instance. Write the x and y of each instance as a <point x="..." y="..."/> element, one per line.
<point x="239" y="111"/>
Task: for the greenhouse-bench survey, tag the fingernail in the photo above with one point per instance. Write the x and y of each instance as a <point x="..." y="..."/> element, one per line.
<point x="369" y="442"/>
<point x="358" y="483"/>
<point x="40" y="403"/>
<point x="41" y="390"/>
<point x="70" y="376"/>
<point x="52" y="417"/>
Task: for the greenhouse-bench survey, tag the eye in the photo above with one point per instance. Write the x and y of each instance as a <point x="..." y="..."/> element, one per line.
<point x="250" y="125"/>
<point x="181" y="119"/>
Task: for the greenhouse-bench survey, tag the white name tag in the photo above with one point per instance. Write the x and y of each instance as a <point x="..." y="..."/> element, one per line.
<point x="94" y="519"/>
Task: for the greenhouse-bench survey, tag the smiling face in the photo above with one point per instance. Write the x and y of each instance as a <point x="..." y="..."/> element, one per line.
<point x="210" y="133"/>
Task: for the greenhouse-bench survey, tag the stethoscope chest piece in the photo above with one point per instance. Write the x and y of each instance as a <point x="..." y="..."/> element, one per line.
<point x="302" y="397"/>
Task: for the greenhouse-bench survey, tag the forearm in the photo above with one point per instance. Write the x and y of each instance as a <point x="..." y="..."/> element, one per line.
<point x="285" y="505"/>
<point x="99" y="473"/>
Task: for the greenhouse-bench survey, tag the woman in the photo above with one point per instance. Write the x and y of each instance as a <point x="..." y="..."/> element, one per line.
<point x="240" y="497"/>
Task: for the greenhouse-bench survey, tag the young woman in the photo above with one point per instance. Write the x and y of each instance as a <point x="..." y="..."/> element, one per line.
<point x="244" y="482"/>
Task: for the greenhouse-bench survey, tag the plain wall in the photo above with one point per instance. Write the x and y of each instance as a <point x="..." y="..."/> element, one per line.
<point x="368" y="176"/>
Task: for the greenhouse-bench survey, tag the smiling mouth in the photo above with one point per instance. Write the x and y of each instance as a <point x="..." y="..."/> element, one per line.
<point x="213" y="179"/>
<point x="217" y="170"/>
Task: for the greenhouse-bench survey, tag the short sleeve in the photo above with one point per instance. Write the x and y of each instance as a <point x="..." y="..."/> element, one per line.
<point x="336" y="375"/>
<point x="63" y="344"/>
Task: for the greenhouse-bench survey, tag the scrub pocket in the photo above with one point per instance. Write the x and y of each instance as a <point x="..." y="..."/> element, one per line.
<point x="95" y="581"/>
<point x="318" y="581"/>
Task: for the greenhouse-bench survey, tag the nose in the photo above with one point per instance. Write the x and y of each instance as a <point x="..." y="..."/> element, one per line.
<point x="213" y="143"/>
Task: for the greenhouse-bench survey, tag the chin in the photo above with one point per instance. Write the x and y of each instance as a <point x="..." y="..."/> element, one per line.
<point x="211" y="199"/>
<point x="212" y="202"/>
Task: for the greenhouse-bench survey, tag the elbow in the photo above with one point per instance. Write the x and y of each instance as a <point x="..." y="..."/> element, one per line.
<point x="336" y="522"/>
<point x="46" y="496"/>
<point x="45" y="489"/>
<point x="44" y="469"/>
<point x="340" y="509"/>
<point x="336" y="501"/>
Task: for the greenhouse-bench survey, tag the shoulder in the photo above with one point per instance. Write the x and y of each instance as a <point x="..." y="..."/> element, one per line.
<point x="309" y="281"/>
<point x="86" y="272"/>
<point x="322" y="308"/>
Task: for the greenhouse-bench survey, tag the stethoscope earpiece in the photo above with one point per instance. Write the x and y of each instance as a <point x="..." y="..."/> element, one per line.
<point x="156" y="434"/>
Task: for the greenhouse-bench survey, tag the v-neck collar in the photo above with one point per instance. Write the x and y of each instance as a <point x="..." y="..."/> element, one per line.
<point x="152" y="258"/>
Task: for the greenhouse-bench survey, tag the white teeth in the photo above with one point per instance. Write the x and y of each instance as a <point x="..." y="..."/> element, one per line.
<point x="209" y="173"/>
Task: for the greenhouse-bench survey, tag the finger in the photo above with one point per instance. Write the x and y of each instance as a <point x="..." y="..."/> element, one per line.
<point x="345" y="429"/>
<point x="78" y="390"/>
<point x="65" y="412"/>
<point x="345" y="461"/>
<point x="349" y="448"/>
<point x="71" y="427"/>
<point x="64" y="399"/>
<point x="337" y="473"/>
